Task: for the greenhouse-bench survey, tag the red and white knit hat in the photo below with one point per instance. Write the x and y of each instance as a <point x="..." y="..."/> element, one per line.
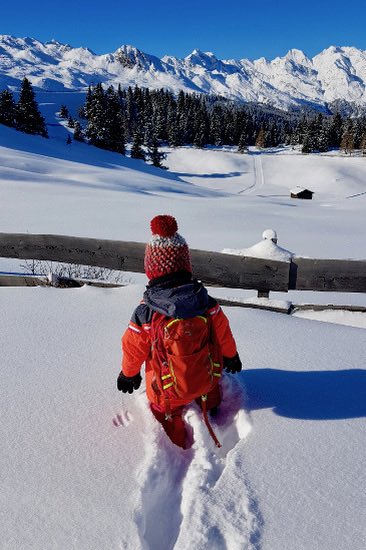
<point x="167" y="251"/>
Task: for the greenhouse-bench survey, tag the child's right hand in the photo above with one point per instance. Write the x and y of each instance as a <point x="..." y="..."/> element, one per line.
<point x="232" y="364"/>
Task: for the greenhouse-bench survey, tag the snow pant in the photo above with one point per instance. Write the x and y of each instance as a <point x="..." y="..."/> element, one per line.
<point x="174" y="425"/>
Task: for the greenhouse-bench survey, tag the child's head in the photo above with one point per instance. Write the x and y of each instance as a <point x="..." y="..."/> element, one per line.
<point x="166" y="252"/>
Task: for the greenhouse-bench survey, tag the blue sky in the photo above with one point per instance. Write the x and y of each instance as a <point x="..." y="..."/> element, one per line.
<point x="230" y="29"/>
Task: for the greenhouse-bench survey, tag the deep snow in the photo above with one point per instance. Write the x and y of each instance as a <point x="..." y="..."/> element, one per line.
<point x="84" y="467"/>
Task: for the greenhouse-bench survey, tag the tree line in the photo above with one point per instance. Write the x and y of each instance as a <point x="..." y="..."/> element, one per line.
<point x="110" y="118"/>
<point x="146" y="118"/>
<point x="321" y="133"/>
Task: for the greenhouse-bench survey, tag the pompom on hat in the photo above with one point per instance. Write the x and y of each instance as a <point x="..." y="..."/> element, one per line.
<point x="167" y="251"/>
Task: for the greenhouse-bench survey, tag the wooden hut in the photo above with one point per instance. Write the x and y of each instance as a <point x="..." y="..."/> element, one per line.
<point x="300" y="193"/>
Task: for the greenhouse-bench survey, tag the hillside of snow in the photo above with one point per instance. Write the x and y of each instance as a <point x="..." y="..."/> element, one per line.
<point x="83" y="467"/>
<point x="294" y="80"/>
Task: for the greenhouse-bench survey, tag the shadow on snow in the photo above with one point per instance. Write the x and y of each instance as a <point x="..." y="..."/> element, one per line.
<point x="312" y="395"/>
<point x="214" y="175"/>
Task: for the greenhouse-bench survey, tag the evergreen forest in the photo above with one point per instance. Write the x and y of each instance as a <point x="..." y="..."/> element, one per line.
<point x="146" y="119"/>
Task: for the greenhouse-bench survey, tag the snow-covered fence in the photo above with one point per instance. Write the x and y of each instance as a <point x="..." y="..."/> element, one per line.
<point x="214" y="268"/>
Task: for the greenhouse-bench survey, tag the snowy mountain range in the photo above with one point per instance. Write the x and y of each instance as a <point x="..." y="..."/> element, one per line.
<point x="335" y="74"/>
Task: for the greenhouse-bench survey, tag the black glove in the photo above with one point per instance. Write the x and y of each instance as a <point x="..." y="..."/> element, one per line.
<point x="232" y="364"/>
<point x="128" y="383"/>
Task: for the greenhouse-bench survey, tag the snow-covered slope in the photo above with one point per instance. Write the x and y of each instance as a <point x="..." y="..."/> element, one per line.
<point x="84" y="468"/>
<point x="337" y="73"/>
<point x="41" y="179"/>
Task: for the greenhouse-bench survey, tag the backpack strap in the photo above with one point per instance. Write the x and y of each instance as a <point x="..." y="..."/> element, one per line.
<point x="163" y="382"/>
<point x="207" y="422"/>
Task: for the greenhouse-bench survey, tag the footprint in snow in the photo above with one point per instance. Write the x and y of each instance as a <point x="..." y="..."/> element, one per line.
<point x="213" y="515"/>
<point x="177" y="488"/>
<point x="122" y="419"/>
<point x="157" y="511"/>
<point x="232" y="423"/>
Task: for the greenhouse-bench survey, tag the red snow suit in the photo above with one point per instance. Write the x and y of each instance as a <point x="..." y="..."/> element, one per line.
<point x="175" y="296"/>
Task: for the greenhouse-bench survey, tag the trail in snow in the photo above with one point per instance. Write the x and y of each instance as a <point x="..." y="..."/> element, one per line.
<point x="356" y="195"/>
<point x="258" y="175"/>
<point x="183" y="500"/>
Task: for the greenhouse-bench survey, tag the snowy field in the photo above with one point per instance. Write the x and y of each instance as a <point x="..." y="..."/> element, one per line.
<point x="84" y="467"/>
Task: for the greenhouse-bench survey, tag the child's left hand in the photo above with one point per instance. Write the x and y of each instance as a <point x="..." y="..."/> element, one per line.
<point x="127" y="384"/>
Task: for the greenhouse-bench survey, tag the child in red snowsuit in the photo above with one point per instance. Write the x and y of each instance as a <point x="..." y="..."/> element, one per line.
<point x="174" y="293"/>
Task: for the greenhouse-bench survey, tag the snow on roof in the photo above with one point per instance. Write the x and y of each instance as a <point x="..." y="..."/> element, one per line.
<point x="300" y="190"/>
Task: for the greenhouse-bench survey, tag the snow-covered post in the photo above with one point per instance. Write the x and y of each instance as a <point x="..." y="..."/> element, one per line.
<point x="270" y="235"/>
<point x="267" y="250"/>
<point x="267" y="235"/>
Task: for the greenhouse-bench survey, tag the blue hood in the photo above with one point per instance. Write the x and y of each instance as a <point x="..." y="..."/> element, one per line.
<point x="184" y="301"/>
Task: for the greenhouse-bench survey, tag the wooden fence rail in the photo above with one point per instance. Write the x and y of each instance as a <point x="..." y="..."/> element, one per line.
<point x="213" y="268"/>
<point x="327" y="275"/>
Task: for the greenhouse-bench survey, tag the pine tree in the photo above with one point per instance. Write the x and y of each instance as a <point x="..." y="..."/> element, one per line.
<point x="87" y="110"/>
<point x="216" y="126"/>
<point x="7" y="108"/>
<point x="114" y="124"/>
<point x="131" y="114"/>
<point x="347" y="143"/>
<point x="159" y="117"/>
<point x="306" y="148"/>
<point x="173" y="130"/>
<point x="363" y="144"/>
<point x="318" y="139"/>
<point x="78" y="133"/>
<point x="137" y="151"/>
<point x="358" y="128"/>
<point x="200" y="138"/>
<point x="313" y="135"/>
<point x="335" y="131"/>
<point x="323" y="139"/>
<point x="155" y="155"/>
<point x="230" y="132"/>
<point x="28" y="116"/>
<point x="64" y="112"/>
<point x="70" y="122"/>
<point x="187" y="120"/>
<point x="243" y="142"/>
<point x="271" y="135"/>
<point x="95" y="110"/>
<point x="286" y="131"/>
<point x="82" y="112"/>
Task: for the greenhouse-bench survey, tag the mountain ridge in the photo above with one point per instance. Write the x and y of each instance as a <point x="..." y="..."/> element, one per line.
<point x="338" y="73"/>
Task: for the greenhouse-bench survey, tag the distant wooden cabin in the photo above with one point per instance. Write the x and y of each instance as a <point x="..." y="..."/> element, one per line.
<point x="302" y="194"/>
